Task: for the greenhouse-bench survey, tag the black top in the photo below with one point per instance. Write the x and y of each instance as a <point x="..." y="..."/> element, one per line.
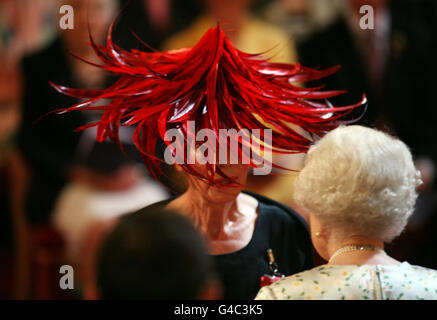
<point x="279" y="228"/>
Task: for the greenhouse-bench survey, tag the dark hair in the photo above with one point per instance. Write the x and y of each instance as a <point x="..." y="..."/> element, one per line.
<point x="153" y="254"/>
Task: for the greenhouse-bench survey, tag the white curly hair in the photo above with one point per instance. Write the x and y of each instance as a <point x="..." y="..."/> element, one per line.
<point x="359" y="181"/>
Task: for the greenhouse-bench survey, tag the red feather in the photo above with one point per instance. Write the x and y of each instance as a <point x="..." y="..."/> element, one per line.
<point x="213" y="84"/>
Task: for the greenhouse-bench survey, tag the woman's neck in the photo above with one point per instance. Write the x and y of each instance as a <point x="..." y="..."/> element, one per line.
<point x="210" y="218"/>
<point x="335" y="244"/>
<point x="372" y="254"/>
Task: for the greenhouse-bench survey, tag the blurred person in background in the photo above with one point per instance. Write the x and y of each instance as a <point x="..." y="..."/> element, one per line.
<point x="392" y="62"/>
<point x="25" y="26"/>
<point x="76" y="182"/>
<point x="359" y="187"/>
<point x="409" y="90"/>
<point x="301" y="18"/>
<point x="153" y="21"/>
<point x="154" y="254"/>
<point x="247" y="32"/>
<point x="362" y="53"/>
<point x="51" y="155"/>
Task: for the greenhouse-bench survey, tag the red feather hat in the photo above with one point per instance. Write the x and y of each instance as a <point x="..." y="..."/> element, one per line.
<point x="213" y="84"/>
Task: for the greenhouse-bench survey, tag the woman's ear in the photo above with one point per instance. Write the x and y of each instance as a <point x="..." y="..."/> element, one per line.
<point x="318" y="230"/>
<point x="320" y="236"/>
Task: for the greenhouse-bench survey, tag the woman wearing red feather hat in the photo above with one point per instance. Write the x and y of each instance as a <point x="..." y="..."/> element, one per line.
<point x="217" y="87"/>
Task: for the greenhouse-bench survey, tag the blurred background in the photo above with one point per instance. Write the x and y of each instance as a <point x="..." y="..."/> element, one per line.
<point x="57" y="185"/>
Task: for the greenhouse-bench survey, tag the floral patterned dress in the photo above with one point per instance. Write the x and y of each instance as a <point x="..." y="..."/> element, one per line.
<point x="356" y="282"/>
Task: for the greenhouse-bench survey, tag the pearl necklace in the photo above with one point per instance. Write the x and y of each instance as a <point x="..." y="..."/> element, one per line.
<point x="351" y="248"/>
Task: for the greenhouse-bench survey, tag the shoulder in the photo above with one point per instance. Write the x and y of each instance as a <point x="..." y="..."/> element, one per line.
<point x="409" y="282"/>
<point x="421" y="269"/>
<point x="323" y="282"/>
<point x="409" y="270"/>
<point x="295" y="287"/>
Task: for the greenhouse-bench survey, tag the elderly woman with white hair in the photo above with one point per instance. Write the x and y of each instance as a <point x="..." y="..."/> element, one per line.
<point x="359" y="188"/>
